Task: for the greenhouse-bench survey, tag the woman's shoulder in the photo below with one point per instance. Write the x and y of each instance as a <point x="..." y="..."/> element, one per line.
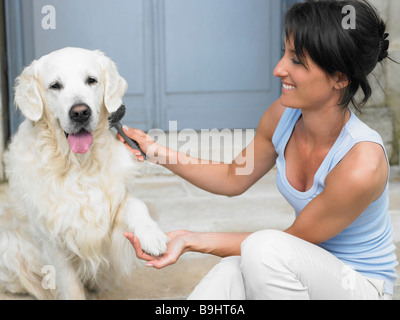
<point x="365" y="165"/>
<point x="360" y="132"/>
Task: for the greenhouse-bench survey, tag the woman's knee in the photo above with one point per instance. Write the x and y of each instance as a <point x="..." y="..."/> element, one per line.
<point x="223" y="282"/>
<point x="267" y="256"/>
<point x="263" y="249"/>
<point x="263" y="241"/>
<point x="229" y="267"/>
<point x="227" y="270"/>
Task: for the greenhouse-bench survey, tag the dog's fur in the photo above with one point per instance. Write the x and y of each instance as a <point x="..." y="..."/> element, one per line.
<point x="67" y="210"/>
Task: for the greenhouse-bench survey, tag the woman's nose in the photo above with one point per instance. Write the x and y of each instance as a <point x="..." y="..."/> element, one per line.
<point x="280" y="70"/>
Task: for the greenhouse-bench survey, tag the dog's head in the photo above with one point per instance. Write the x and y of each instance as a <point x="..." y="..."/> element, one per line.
<point x="72" y="86"/>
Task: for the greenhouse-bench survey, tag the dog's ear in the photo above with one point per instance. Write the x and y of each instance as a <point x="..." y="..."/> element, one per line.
<point x="114" y="85"/>
<point x="27" y="95"/>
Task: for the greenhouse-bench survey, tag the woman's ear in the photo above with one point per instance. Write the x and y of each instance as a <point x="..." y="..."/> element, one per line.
<point x="114" y="85"/>
<point x="27" y="95"/>
<point x="340" y="80"/>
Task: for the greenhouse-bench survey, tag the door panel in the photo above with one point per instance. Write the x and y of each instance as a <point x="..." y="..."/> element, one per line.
<point x="218" y="60"/>
<point x="119" y="28"/>
<point x="217" y="46"/>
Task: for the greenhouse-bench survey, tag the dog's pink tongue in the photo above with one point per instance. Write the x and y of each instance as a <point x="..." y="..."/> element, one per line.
<point x="81" y="142"/>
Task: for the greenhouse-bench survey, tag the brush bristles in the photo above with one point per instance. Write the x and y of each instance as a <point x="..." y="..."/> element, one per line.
<point x="117" y="115"/>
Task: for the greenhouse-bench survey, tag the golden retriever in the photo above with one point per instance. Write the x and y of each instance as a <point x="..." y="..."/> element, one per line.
<point x="69" y="182"/>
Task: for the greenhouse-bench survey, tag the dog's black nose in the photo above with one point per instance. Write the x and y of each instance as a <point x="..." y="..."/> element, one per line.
<point x="80" y="113"/>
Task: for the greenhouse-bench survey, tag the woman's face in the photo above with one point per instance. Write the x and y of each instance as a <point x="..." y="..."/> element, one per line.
<point x="304" y="86"/>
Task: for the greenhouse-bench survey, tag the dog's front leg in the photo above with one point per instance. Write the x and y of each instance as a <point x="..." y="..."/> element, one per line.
<point x="137" y="218"/>
<point x="67" y="283"/>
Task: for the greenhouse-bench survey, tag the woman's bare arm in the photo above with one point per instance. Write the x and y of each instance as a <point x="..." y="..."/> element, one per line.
<point x="219" y="178"/>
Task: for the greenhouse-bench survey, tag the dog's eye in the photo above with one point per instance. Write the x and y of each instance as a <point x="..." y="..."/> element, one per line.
<point x="56" y="86"/>
<point x="91" y="80"/>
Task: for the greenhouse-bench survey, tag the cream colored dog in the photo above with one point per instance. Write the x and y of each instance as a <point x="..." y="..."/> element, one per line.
<point x="69" y="183"/>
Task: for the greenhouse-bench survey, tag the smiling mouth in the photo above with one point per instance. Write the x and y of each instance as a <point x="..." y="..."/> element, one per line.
<point x="80" y="142"/>
<point x="288" y="87"/>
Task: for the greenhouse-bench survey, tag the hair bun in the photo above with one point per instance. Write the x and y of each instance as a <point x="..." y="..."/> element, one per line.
<point x="383" y="47"/>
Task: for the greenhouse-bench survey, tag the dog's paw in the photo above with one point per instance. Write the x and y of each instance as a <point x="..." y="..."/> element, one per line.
<point x="153" y="241"/>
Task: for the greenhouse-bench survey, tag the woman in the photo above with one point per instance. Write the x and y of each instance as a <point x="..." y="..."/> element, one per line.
<point x="332" y="169"/>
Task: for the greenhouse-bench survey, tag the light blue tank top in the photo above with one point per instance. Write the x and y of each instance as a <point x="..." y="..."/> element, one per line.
<point x="366" y="245"/>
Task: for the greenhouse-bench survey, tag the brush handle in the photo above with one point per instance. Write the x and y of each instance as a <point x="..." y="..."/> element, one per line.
<point x="132" y="143"/>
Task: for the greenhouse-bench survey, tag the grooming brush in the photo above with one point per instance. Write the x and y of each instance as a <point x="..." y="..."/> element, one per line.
<point x="114" y="120"/>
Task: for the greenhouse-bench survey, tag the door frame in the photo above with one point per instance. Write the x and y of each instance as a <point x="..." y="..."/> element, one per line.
<point x="15" y="55"/>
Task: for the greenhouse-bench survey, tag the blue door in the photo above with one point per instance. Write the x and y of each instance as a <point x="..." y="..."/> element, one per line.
<point x="202" y="63"/>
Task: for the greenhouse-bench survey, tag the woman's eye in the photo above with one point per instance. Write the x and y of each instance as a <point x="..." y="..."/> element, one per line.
<point x="296" y="61"/>
<point x="91" y="80"/>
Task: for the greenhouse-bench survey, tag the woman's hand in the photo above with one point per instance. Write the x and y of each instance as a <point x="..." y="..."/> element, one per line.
<point x="219" y="244"/>
<point x="176" y="247"/>
<point x="146" y="143"/>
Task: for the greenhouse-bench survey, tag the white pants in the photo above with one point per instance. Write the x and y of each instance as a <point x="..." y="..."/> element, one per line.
<point x="277" y="266"/>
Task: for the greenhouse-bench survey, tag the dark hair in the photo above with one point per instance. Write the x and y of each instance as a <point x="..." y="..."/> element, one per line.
<point x="317" y="28"/>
